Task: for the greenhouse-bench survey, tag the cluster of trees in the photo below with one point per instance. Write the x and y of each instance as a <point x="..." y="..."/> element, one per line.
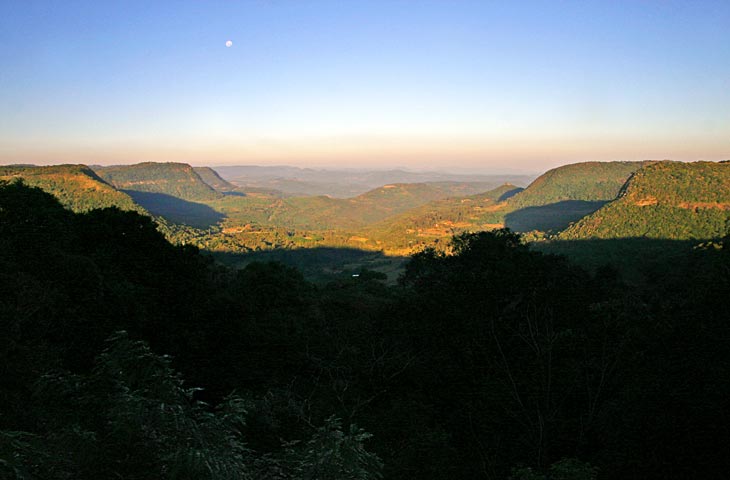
<point x="490" y="360"/>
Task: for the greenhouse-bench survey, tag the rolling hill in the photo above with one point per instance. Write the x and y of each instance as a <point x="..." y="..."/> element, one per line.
<point x="442" y="218"/>
<point x="325" y="213"/>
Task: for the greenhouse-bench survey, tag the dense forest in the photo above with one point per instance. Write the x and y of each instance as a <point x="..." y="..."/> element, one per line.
<point x="125" y="356"/>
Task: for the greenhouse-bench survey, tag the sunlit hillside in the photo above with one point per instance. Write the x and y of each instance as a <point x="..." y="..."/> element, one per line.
<point x="670" y="200"/>
<point x="437" y="221"/>
<point x="76" y="186"/>
<point x="327" y="213"/>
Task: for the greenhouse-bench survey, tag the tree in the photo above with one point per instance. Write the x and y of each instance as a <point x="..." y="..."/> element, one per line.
<point x="133" y="418"/>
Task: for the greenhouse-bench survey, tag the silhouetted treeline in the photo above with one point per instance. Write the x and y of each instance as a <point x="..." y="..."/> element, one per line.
<point x="490" y="361"/>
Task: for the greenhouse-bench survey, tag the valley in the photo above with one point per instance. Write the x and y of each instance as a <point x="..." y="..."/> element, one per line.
<point x="242" y="218"/>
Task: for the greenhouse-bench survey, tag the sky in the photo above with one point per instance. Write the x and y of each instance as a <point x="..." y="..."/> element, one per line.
<point x="489" y="86"/>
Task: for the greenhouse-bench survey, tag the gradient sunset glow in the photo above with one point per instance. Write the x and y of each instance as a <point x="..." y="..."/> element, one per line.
<point x="421" y="84"/>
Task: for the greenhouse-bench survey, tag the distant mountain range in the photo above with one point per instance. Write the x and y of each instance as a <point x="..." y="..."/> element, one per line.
<point x="294" y="181"/>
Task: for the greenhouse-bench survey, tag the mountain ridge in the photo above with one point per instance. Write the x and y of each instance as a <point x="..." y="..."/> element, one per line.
<point x="673" y="200"/>
<point x="175" y="179"/>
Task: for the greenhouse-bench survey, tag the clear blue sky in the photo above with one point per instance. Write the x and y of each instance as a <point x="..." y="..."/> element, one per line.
<point x="423" y="84"/>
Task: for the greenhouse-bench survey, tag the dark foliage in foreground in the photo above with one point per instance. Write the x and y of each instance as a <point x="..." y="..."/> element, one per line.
<point x="492" y="361"/>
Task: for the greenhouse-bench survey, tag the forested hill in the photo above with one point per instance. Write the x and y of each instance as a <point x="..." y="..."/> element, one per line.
<point x="173" y="179"/>
<point x="671" y="200"/>
<point x="588" y="181"/>
<point x="76" y="186"/>
<point x="395" y="198"/>
<point x="565" y="195"/>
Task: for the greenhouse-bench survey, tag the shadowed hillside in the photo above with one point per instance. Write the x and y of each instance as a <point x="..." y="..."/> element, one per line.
<point x="551" y="217"/>
<point x="323" y="264"/>
<point x="177" y="210"/>
<point x="636" y="260"/>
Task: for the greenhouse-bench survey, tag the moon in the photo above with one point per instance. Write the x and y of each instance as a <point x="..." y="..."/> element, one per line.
<point x="229" y="43"/>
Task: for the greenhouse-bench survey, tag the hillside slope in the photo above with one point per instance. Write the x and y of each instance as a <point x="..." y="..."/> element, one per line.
<point x="586" y="181"/>
<point x="212" y="179"/>
<point x="566" y="194"/>
<point x="171" y="190"/>
<point x="174" y="179"/>
<point x="395" y="198"/>
<point x="670" y="200"/>
<point x="77" y="187"/>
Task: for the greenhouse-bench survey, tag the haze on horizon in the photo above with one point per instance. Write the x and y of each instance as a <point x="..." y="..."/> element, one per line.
<point x="470" y="85"/>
